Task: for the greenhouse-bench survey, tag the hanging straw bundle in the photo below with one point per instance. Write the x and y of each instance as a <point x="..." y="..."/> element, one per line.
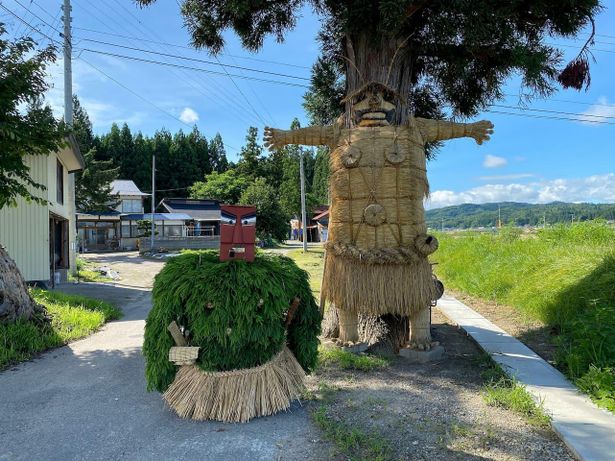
<point x="238" y="395"/>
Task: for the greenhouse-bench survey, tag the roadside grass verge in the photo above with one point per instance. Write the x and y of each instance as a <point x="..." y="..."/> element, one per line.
<point x="72" y="317"/>
<point x="562" y="276"/>
<point x="86" y="272"/>
<point x="501" y="391"/>
<point x="351" y="442"/>
<point x="344" y="360"/>
<point x="312" y="262"/>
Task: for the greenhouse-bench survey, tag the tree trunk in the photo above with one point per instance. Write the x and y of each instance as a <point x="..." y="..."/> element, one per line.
<point x="384" y="335"/>
<point x="15" y="299"/>
<point x="389" y="63"/>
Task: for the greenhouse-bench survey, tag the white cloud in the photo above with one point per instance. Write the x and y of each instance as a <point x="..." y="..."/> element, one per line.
<point x="595" y="113"/>
<point x="597" y="188"/>
<point x="492" y="161"/>
<point x="506" y="177"/>
<point x="189" y="115"/>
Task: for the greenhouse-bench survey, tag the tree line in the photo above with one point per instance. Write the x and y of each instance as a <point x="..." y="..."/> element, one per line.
<point x="189" y="165"/>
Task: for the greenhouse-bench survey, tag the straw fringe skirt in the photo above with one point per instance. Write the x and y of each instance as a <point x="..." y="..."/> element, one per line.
<point x="238" y="395"/>
<point x="377" y="289"/>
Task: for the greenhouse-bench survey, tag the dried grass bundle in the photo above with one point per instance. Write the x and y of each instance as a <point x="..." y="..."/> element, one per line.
<point x="378" y="288"/>
<point x="238" y="395"/>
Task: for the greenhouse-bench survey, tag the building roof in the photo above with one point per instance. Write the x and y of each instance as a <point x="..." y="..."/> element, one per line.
<point x="200" y="210"/>
<point x="70" y="155"/>
<point x="324" y="214"/>
<point x="125" y="187"/>
<point x="157" y="217"/>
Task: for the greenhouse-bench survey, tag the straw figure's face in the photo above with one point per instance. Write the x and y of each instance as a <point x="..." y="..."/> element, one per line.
<point x="237" y="232"/>
<point x="373" y="109"/>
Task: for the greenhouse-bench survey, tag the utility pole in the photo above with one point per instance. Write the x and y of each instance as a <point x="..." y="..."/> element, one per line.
<point x="153" y="201"/>
<point x="68" y="119"/>
<point x="68" y="65"/>
<point x="442" y="226"/>
<point x="303" y="211"/>
<point x="572" y="218"/>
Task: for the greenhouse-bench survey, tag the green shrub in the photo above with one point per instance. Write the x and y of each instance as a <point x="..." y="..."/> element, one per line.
<point x="349" y="361"/>
<point x="234" y="311"/>
<point x="599" y="383"/>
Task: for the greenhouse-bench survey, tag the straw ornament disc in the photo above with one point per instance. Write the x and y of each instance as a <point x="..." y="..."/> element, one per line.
<point x="374" y="214"/>
<point x="351" y="156"/>
<point x="395" y="155"/>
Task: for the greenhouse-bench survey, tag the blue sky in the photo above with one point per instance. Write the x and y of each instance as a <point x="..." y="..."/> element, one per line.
<point x="528" y="159"/>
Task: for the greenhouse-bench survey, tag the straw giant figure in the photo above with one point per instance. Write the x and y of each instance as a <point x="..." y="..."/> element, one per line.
<point x="432" y="53"/>
<point x="377" y="248"/>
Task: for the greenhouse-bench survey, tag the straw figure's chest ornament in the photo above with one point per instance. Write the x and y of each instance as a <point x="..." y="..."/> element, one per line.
<point x="237" y="232"/>
<point x="377" y="244"/>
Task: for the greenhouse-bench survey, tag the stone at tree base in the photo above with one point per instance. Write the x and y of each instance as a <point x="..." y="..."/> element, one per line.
<point x="357" y="348"/>
<point x="417" y="356"/>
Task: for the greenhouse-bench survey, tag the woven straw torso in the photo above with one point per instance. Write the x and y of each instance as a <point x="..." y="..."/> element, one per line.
<point x="378" y="183"/>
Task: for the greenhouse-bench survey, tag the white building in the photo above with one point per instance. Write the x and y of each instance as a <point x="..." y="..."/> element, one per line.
<point x="41" y="238"/>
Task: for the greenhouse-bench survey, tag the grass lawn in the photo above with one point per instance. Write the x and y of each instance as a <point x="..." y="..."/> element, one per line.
<point x="563" y="276"/>
<point x="72" y="317"/>
<point x="312" y="262"/>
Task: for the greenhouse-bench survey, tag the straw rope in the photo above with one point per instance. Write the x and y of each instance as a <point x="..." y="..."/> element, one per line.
<point x="238" y="395"/>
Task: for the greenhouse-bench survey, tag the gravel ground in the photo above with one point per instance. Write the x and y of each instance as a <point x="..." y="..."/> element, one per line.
<point x="433" y="411"/>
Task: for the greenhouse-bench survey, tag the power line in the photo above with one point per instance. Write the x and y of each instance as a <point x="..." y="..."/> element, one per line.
<point x="139" y="96"/>
<point x="174" y="45"/>
<point x="203" y="61"/>
<point x="27" y="24"/>
<point x="188" y="78"/>
<point x="568" y="101"/>
<point x="576" y="114"/>
<point x="199" y="69"/>
<point x="549" y="117"/>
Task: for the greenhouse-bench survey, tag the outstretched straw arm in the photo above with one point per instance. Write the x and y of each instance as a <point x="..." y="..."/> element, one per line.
<point x="441" y="130"/>
<point x="310" y="136"/>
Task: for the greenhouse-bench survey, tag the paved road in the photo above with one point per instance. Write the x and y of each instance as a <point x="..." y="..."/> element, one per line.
<point x="88" y="400"/>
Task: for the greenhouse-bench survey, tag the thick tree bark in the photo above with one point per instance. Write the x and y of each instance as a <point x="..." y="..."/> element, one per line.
<point x="15" y="299"/>
<point x="388" y="62"/>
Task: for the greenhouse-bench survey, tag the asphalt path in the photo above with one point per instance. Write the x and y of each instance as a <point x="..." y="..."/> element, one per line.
<point x="87" y="400"/>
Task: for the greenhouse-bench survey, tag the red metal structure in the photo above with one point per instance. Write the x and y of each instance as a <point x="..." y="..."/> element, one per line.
<point x="237" y="232"/>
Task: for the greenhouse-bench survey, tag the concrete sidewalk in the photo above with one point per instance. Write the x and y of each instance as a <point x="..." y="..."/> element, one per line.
<point x="87" y="401"/>
<point x="588" y="431"/>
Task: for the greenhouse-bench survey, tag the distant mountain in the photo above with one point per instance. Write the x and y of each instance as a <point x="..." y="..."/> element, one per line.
<point x="470" y="215"/>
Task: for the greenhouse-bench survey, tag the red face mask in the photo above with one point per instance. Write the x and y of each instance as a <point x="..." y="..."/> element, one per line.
<point x="237" y="232"/>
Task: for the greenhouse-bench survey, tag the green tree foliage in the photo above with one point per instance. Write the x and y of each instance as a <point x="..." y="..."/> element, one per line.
<point x="217" y="153"/>
<point x="226" y="187"/>
<point x="235" y="312"/>
<point x="93" y="184"/>
<point x="26" y="126"/>
<point x="251" y="157"/>
<point x="290" y="186"/>
<point x="323" y="100"/>
<point x="82" y="126"/>
<point x="518" y="214"/>
<point x="271" y="221"/>
<point x="320" y="182"/>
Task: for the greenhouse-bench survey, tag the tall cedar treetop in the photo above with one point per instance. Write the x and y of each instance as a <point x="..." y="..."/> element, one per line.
<point x="458" y="52"/>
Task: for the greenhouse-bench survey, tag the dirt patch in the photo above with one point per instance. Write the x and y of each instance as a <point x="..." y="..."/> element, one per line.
<point x="533" y="333"/>
<point x="430" y="412"/>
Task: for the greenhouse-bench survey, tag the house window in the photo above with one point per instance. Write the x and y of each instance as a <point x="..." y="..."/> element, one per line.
<point x="59" y="183"/>
<point x="132" y="206"/>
